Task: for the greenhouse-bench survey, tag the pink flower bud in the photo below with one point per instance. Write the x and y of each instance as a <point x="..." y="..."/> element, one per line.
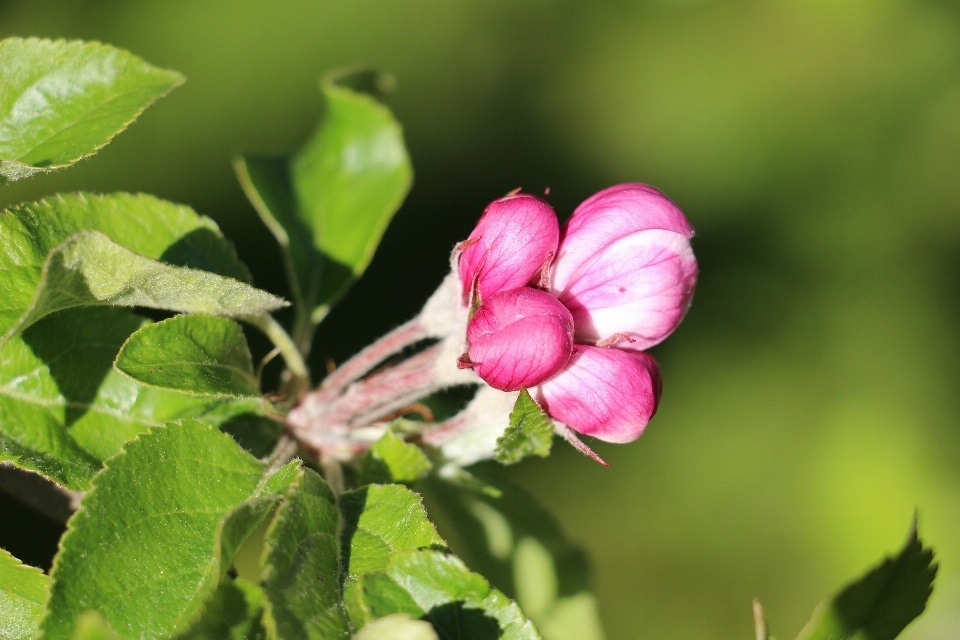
<point x="519" y="338"/>
<point x="625" y="266"/>
<point x="610" y="394"/>
<point x="513" y="239"/>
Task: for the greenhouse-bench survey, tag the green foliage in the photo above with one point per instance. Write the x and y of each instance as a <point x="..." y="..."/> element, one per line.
<point x="62" y="101"/>
<point x="439" y="587"/>
<point x="302" y="566"/>
<point x="91" y="626"/>
<point x="233" y="613"/>
<point x="197" y="354"/>
<point x="530" y="432"/>
<point x="153" y="228"/>
<point x="64" y="409"/>
<point x="155" y="533"/>
<point x="23" y="591"/>
<point x="390" y="459"/>
<point x="882" y="603"/>
<point x="520" y="548"/>
<point x="329" y="204"/>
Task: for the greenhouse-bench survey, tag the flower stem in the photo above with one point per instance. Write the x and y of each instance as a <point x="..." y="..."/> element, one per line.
<point x="291" y="355"/>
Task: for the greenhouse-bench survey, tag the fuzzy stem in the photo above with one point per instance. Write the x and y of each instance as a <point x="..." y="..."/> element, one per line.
<point x="291" y="355"/>
<point x="395" y="341"/>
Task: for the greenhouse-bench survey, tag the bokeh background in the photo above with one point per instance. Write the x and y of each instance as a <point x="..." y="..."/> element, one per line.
<point x="811" y="396"/>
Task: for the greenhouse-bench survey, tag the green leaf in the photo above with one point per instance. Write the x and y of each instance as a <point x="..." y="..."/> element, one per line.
<point x="266" y="182"/>
<point x="329" y="205"/>
<point x="378" y="520"/>
<point x="520" y="547"/>
<point x="153" y="228"/>
<point x="390" y="459"/>
<point x="155" y="533"/>
<point x="233" y="613"/>
<point x="64" y="408"/>
<point x="882" y="603"/>
<point x="62" y="101"/>
<point x="530" y="432"/>
<point x="197" y="354"/>
<point x="89" y="269"/>
<point x="398" y="626"/>
<point x="459" y="603"/>
<point x="23" y="591"/>
<point x="302" y="577"/>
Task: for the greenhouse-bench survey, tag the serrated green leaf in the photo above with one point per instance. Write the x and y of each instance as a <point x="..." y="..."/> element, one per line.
<point x="390" y="459"/>
<point x="530" y="432"/>
<point x="146" y="549"/>
<point x="518" y="545"/>
<point x="398" y="626"/>
<point x="64" y="409"/>
<point x="151" y="227"/>
<point x="233" y="613"/>
<point x="882" y="603"/>
<point x="62" y="101"/>
<point x="460" y="604"/>
<point x="89" y="269"/>
<point x="23" y="591"/>
<point x="378" y="520"/>
<point x="197" y="354"/>
<point x="302" y="567"/>
<point x="266" y="183"/>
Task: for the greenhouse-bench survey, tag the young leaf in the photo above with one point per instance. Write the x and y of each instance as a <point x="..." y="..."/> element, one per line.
<point x="302" y="575"/>
<point x="883" y="602"/>
<point x="91" y="626"/>
<point x="530" y="432"/>
<point x="266" y="182"/>
<point x="62" y="101"/>
<point x="378" y="520"/>
<point x="233" y="613"/>
<point x="398" y="626"/>
<point x="197" y="354"/>
<point x="520" y="548"/>
<point x="151" y="227"/>
<point x="460" y="604"/>
<point x="390" y="459"/>
<point x="23" y="590"/>
<point x="64" y="409"/>
<point x="154" y="534"/>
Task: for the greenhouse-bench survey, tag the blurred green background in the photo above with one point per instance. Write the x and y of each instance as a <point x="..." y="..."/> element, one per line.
<point x="810" y="397"/>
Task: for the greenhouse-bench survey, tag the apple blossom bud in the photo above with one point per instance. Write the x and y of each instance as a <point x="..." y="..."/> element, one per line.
<point x="625" y="266"/>
<point x="610" y="394"/>
<point x="519" y="338"/>
<point x="514" y="238"/>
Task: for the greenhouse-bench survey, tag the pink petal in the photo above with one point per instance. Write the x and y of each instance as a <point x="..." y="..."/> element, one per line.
<point x="519" y="338"/>
<point x="625" y="266"/>
<point x="516" y="235"/>
<point x="639" y="286"/>
<point x="609" y="394"/>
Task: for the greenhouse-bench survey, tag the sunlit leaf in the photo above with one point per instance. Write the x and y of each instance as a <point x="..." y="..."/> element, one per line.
<point x="460" y="604"/>
<point x="302" y="579"/>
<point x="390" y="459"/>
<point x="880" y="604"/>
<point x="62" y="101"/>
<point x="198" y="354"/>
<point x="23" y="591"/>
<point x="378" y="520"/>
<point x="519" y="546"/>
<point x="530" y="432"/>
<point x="152" y="228"/>
<point x="64" y="408"/>
<point x="157" y="532"/>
